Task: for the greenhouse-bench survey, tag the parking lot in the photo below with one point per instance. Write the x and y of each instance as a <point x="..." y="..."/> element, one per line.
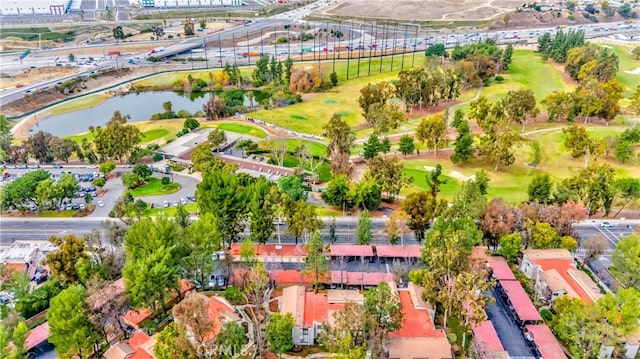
<point x="112" y="190"/>
<point x="510" y="334"/>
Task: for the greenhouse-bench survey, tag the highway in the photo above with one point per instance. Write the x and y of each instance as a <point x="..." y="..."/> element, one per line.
<point x="356" y="37"/>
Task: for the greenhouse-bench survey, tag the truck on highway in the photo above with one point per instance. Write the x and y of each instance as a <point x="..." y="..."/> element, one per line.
<point x="307" y="49"/>
<point x="340" y="48"/>
<point x="251" y="54"/>
<point x="157" y="49"/>
<point x="114" y="53"/>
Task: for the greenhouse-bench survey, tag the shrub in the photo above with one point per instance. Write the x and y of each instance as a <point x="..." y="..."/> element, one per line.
<point x="233" y="295"/>
<point x="157" y="157"/>
<point x="452" y="338"/>
<point x="546" y="315"/>
<point x="498" y="79"/>
<point x="183" y="114"/>
<point x="166" y="181"/>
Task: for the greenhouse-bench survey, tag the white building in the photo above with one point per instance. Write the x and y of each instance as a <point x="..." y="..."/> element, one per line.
<point x="34" y="7"/>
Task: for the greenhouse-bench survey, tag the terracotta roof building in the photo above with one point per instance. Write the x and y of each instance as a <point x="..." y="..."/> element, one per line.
<point x="488" y="342"/>
<point x="139" y="346"/>
<point x="545" y="341"/>
<point x="554" y="272"/>
<point x="309" y="312"/>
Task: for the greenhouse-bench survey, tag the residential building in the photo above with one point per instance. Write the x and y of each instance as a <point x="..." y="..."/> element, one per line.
<point x="220" y="311"/>
<point x="418" y="338"/>
<point x="26" y="256"/>
<point x="139" y="346"/>
<point x="136" y="317"/>
<point x="487" y="344"/>
<point x="555" y="274"/>
<point x="309" y="311"/>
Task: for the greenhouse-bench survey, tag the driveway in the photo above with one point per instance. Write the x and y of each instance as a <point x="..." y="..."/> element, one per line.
<point x="188" y="186"/>
<point x="113" y="191"/>
<point x="508" y="331"/>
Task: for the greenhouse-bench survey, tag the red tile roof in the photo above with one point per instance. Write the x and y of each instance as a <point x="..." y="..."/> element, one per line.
<point x="360" y="278"/>
<point x="290" y="276"/>
<point x="37" y="335"/>
<point x="215" y="309"/>
<point x="487" y="337"/>
<point x="351" y="250"/>
<point x="500" y="268"/>
<point x="316" y="307"/>
<point x="545" y="341"/>
<point x="399" y="251"/>
<point x="137" y="339"/>
<point x="263" y="250"/>
<point x="563" y="267"/>
<point x="135" y="317"/>
<point x="416" y="323"/>
<point x="16" y="267"/>
<point x="520" y="301"/>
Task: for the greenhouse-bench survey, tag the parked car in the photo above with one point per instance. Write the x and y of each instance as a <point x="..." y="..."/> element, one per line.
<point x="82" y="206"/>
<point x="221" y="281"/>
<point x="94" y="194"/>
<point x="175" y="203"/>
<point x="75" y="206"/>
<point x="212" y="281"/>
<point x="183" y="201"/>
<point x="100" y="204"/>
<point x="69" y="207"/>
<point x="165" y="204"/>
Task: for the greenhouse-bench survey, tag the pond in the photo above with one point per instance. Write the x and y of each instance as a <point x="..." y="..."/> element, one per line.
<point x="139" y="106"/>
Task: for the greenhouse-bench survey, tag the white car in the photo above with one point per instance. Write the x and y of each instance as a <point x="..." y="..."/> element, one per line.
<point x="183" y="201"/>
<point x="606" y="224"/>
<point x="100" y="204"/>
<point x="166" y="204"/>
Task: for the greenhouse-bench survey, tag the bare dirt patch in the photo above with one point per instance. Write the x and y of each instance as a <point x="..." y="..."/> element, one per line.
<point x="425" y="11"/>
<point x="33" y="75"/>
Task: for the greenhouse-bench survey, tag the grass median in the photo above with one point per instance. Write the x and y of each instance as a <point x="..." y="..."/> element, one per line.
<point x="154" y="187"/>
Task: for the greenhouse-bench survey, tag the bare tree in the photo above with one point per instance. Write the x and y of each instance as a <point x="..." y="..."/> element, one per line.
<point x="277" y="147"/>
<point x="105" y="302"/>
<point x="192" y="314"/>
<point x="400" y="269"/>
<point x="307" y="160"/>
<point x="341" y="265"/>
<point x="593" y="248"/>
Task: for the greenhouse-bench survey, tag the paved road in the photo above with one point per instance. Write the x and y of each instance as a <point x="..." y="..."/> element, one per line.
<point x="613" y="236"/>
<point x="294" y="16"/>
<point x="510" y="334"/>
<point x="29" y="228"/>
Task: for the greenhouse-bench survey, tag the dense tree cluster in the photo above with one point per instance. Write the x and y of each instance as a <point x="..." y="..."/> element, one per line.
<point x="427" y="87"/>
<point x="479" y="61"/>
<point x="558" y="46"/>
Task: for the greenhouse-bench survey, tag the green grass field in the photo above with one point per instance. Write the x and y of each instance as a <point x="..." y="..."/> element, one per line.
<point x="171" y="211"/>
<point x="235" y="127"/>
<point x="154" y="187"/>
<point x="528" y="71"/>
<point x="311" y="115"/>
<point x="511" y="183"/>
<point x="154" y="134"/>
<point x="152" y="131"/>
<point x="79" y="103"/>
<point x="627" y="64"/>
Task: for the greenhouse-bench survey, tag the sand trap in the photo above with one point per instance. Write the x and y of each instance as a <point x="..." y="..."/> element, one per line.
<point x="429" y="168"/>
<point x="636" y="71"/>
<point x="459" y="176"/>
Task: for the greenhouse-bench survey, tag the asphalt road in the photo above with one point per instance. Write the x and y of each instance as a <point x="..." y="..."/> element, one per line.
<point x="510" y="334"/>
<point x="294" y="16"/>
<point x="14" y="228"/>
